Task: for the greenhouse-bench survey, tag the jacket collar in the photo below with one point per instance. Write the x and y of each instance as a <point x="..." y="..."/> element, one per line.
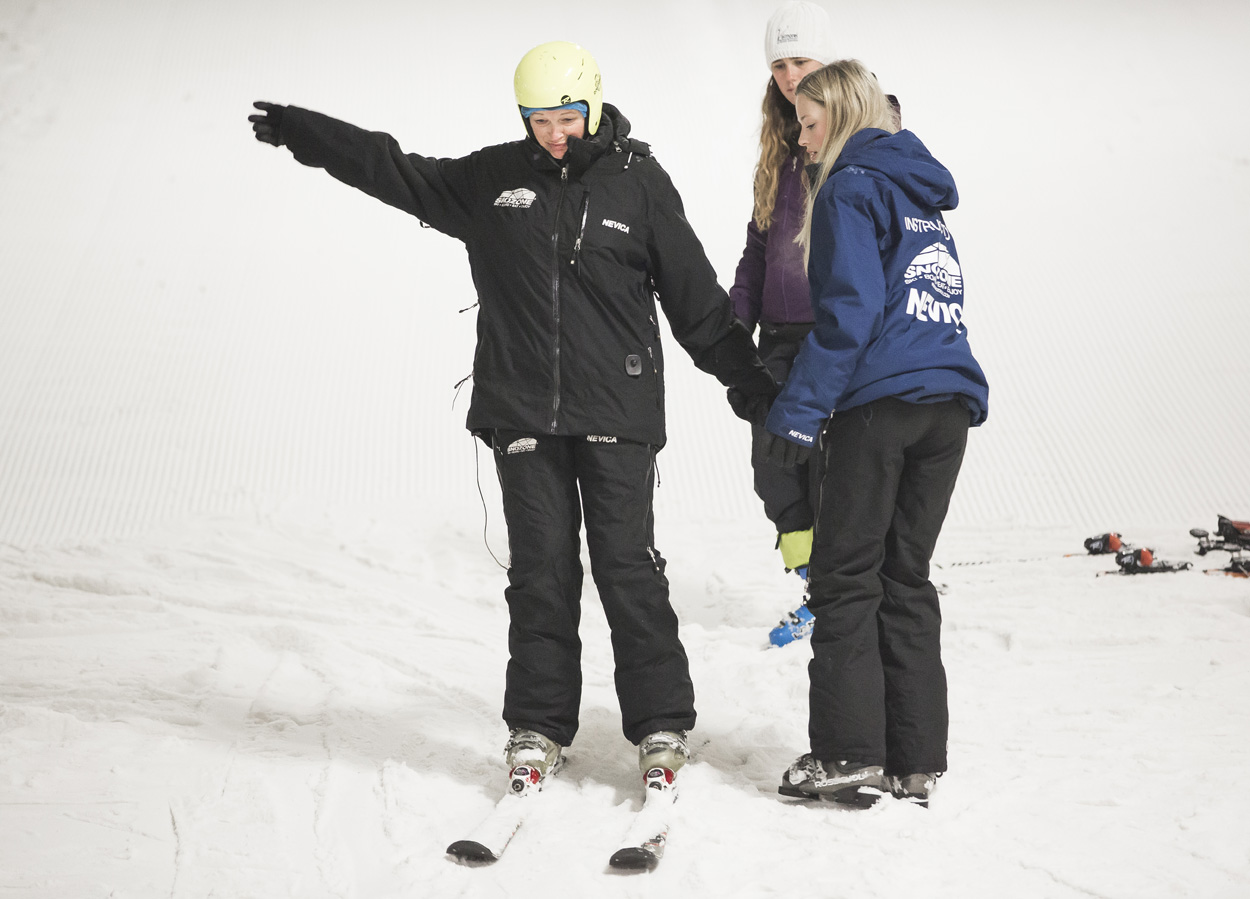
<point x="612" y="137"/>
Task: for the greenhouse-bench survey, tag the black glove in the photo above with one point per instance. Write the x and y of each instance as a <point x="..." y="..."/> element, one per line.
<point x="268" y="127"/>
<point x="786" y="453"/>
<point x="751" y="407"/>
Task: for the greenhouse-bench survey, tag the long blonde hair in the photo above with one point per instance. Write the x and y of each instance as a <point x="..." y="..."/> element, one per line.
<point x="778" y="132"/>
<point x="852" y="100"/>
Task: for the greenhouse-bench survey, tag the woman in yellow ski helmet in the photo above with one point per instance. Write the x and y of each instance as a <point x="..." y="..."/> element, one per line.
<point x="573" y="234"/>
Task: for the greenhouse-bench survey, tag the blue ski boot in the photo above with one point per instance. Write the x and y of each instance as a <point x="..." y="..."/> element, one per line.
<point x="797" y="625"/>
<point x="796" y="550"/>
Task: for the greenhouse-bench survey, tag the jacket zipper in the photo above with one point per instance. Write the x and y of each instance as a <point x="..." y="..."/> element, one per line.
<point x="555" y="295"/>
<point x="655" y="373"/>
<point x="581" y="231"/>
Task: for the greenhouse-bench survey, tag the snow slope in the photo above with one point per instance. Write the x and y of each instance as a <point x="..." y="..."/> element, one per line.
<point x="312" y="710"/>
<point x="252" y="631"/>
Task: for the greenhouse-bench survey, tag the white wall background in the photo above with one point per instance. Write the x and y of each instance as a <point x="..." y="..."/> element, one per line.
<point x="192" y="323"/>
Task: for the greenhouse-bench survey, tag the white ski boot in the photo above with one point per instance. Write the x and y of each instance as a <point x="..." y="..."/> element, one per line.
<point x="530" y="749"/>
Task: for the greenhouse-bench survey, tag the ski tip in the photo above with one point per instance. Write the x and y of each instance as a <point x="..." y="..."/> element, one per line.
<point x="634" y="858"/>
<point x="471" y="851"/>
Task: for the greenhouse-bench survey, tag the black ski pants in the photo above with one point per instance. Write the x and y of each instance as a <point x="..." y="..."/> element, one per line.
<point x="789" y="494"/>
<point x="877" y="684"/>
<point x="548" y="484"/>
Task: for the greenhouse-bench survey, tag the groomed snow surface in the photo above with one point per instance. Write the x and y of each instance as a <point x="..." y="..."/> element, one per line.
<point x="252" y="633"/>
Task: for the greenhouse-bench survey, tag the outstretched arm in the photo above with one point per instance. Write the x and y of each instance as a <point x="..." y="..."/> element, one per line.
<point x="437" y="191"/>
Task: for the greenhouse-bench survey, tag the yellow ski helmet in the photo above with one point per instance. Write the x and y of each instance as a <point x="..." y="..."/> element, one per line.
<point x="557" y="73"/>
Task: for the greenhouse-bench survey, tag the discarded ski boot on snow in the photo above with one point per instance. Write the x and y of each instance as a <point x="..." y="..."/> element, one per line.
<point x="1104" y="544"/>
<point x="1144" y="561"/>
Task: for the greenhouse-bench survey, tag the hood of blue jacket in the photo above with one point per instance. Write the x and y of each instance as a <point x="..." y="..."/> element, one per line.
<point x="904" y="160"/>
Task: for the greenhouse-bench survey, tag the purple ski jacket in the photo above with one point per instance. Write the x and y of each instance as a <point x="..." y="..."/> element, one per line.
<point x="770" y="284"/>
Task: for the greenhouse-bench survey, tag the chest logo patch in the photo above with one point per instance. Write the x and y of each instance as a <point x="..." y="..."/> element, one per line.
<point x="521" y="198"/>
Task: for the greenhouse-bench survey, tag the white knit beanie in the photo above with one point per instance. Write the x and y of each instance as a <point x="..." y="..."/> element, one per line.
<point x="799" y="29"/>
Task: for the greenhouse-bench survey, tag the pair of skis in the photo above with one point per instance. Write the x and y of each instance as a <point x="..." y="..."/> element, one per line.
<point x="1231" y="536"/>
<point x="641" y="849"/>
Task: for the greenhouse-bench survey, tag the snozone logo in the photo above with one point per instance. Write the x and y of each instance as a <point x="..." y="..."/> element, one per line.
<point x="936" y="265"/>
<point x="522" y="445"/>
<point x="521" y="198"/>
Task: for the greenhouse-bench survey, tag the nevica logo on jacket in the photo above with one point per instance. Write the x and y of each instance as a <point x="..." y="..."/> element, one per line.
<point x="937" y="266"/>
<point x="521" y="198"/>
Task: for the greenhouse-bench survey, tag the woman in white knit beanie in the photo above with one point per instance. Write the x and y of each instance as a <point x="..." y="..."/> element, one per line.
<point x="770" y="284"/>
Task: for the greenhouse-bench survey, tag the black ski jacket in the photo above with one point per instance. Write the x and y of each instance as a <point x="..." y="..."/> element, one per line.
<point x="568" y="257"/>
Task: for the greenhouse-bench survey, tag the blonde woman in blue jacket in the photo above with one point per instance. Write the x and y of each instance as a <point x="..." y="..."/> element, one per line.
<point x="886" y="387"/>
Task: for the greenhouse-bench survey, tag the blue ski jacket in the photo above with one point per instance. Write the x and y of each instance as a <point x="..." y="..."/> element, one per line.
<point x="887" y="291"/>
